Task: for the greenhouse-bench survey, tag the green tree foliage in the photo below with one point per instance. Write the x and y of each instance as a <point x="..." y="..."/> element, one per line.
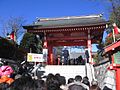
<point x="31" y="42"/>
<point x="115" y="14"/>
<point x="114" y="18"/>
<point x="98" y="56"/>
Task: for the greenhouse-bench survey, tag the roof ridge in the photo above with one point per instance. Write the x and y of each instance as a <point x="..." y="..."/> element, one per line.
<point x="69" y="17"/>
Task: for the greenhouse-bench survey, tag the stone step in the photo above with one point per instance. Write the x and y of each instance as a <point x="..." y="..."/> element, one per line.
<point x="69" y="71"/>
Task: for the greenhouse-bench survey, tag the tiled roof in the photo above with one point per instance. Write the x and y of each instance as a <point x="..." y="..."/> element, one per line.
<point x="70" y="21"/>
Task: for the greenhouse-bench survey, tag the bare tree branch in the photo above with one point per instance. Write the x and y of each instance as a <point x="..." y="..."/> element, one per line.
<point x="13" y="24"/>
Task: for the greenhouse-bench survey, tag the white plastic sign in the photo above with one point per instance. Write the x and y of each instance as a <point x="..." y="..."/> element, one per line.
<point x="32" y="57"/>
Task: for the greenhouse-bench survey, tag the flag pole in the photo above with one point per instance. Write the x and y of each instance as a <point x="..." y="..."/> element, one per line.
<point x="113" y="32"/>
<point x="113" y="35"/>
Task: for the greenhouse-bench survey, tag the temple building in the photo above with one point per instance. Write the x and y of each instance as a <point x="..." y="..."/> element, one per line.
<point x="69" y="31"/>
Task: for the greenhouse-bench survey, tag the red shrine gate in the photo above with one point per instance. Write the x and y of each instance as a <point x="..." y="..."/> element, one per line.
<point x="69" y="31"/>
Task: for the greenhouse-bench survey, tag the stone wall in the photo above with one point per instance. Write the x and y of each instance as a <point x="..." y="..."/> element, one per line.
<point x="104" y="76"/>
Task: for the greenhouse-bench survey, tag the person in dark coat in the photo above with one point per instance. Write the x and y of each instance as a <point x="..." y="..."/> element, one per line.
<point x="87" y="55"/>
<point x="65" y="55"/>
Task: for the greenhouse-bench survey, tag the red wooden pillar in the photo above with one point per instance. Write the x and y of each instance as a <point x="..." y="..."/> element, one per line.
<point x="89" y="45"/>
<point x="50" y="55"/>
<point x="117" y="69"/>
<point x="117" y="78"/>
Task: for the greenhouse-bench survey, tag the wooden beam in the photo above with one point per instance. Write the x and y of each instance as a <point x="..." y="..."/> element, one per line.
<point x="36" y="29"/>
<point x="67" y="38"/>
<point x="82" y="43"/>
<point x="112" y="46"/>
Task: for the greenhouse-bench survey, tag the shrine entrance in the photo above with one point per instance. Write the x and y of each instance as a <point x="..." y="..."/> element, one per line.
<point x="69" y="31"/>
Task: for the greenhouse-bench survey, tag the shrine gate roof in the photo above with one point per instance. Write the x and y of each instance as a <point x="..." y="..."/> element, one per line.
<point x="69" y="30"/>
<point x="72" y="21"/>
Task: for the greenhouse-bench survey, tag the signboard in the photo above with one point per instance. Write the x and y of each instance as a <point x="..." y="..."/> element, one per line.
<point x="32" y="57"/>
<point x="117" y="58"/>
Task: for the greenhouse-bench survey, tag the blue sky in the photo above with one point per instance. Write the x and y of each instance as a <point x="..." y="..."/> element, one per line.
<point x="30" y="9"/>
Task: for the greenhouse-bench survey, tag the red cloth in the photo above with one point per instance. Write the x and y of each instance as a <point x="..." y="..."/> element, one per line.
<point x="110" y="34"/>
<point x="116" y="30"/>
<point x="6" y="79"/>
<point x="12" y="35"/>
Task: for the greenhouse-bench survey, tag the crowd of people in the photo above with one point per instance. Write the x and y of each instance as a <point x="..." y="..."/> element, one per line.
<point x="51" y="82"/>
<point x="75" y="61"/>
<point x="26" y="82"/>
<point x="8" y="81"/>
<point x="64" y="59"/>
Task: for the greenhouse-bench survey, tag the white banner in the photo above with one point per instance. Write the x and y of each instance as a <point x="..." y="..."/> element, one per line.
<point x="45" y="53"/>
<point x="32" y="57"/>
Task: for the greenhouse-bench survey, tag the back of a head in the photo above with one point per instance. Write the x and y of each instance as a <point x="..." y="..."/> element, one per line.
<point x="95" y="86"/>
<point x="53" y="86"/>
<point x="70" y="80"/>
<point x="94" y="83"/>
<point x="76" y="87"/>
<point x="85" y="78"/>
<point x="40" y="84"/>
<point x="52" y="83"/>
<point x="57" y="74"/>
<point x="62" y="80"/>
<point x="3" y="86"/>
<point x="49" y="76"/>
<point x="27" y="83"/>
<point x="86" y="82"/>
<point x="78" y="78"/>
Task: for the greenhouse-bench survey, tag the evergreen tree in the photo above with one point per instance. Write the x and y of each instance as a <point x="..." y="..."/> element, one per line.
<point x="32" y="43"/>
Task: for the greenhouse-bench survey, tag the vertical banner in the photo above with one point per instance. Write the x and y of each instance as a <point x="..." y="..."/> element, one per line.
<point x="45" y="54"/>
<point x="89" y="45"/>
<point x="90" y="51"/>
